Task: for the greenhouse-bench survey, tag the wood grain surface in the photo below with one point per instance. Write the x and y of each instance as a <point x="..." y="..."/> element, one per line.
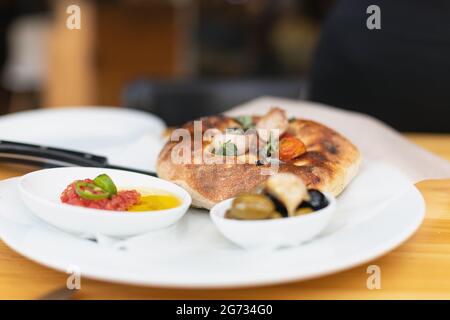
<point x="419" y="268"/>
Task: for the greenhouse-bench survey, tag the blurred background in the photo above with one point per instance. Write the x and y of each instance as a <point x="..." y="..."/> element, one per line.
<point x="181" y="59"/>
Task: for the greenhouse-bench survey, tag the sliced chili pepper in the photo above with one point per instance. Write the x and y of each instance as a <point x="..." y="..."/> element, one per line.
<point x="90" y="191"/>
<point x="106" y="184"/>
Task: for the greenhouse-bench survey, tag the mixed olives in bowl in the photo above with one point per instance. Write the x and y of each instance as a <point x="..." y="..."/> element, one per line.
<point x="283" y="195"/>
<point x="279" y="213"/>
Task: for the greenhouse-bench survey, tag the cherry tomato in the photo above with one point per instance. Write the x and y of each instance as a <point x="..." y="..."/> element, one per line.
<point x="291" y="148"/>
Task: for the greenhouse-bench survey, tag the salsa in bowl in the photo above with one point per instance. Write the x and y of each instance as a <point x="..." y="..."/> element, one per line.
<point x="102" y="193"/>
<point x="136" y="203"/>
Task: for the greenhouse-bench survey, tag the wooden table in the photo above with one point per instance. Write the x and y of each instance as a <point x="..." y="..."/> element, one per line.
<point x="419" y="268"/>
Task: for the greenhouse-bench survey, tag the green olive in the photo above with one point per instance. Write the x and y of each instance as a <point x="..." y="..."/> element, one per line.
<point x="246" y="215"/>
<point x="275" y="215"/>
<point x="301" y="211"/>
<point x="260" y="205"/>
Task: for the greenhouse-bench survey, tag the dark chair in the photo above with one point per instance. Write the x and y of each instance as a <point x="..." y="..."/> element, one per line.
<point x="399" y="74"/>
<point x="179" y="101"/>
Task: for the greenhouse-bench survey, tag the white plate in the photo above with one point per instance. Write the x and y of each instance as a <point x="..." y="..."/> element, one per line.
<point x="107" y="131"/>
<point x="378" y="211"/>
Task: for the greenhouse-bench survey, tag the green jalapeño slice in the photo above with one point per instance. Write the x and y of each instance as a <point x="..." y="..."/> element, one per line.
<point x="106" y="184"/>
<point x="90" y="191"/>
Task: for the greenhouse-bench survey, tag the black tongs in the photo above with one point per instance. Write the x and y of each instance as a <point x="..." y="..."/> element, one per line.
<point x="25" y="153"/>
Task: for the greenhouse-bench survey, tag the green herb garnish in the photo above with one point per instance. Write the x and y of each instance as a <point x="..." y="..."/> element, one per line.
<point x="271" y="146"/>
<point x="227" y="149"/>
<point x="246" y="122"/>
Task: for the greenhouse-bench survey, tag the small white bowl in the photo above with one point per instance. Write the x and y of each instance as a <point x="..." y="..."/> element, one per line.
<point x="273" y="233"/>
<point x="41" y="190"/>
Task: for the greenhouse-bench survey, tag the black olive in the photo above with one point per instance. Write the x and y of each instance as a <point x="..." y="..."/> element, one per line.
<point x="259" y="163"/>
<point x="279" y="206"/>
<point x="317" y="200"/>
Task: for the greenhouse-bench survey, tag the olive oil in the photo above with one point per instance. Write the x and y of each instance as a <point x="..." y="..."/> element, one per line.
<point x="153" y="202"/>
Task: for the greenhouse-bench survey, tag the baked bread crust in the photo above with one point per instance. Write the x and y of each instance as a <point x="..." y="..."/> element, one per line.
<point x="329" y="164"/>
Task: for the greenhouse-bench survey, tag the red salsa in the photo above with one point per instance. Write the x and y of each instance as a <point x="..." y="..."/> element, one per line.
<point x="119" y="201"/>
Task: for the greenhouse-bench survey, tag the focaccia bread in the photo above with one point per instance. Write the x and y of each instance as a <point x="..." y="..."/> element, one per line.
<point x="323" y="158"/>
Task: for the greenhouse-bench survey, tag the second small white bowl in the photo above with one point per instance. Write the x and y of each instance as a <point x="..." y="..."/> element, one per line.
<point x="273" y="233"/>
<point x="40" y="191"/>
